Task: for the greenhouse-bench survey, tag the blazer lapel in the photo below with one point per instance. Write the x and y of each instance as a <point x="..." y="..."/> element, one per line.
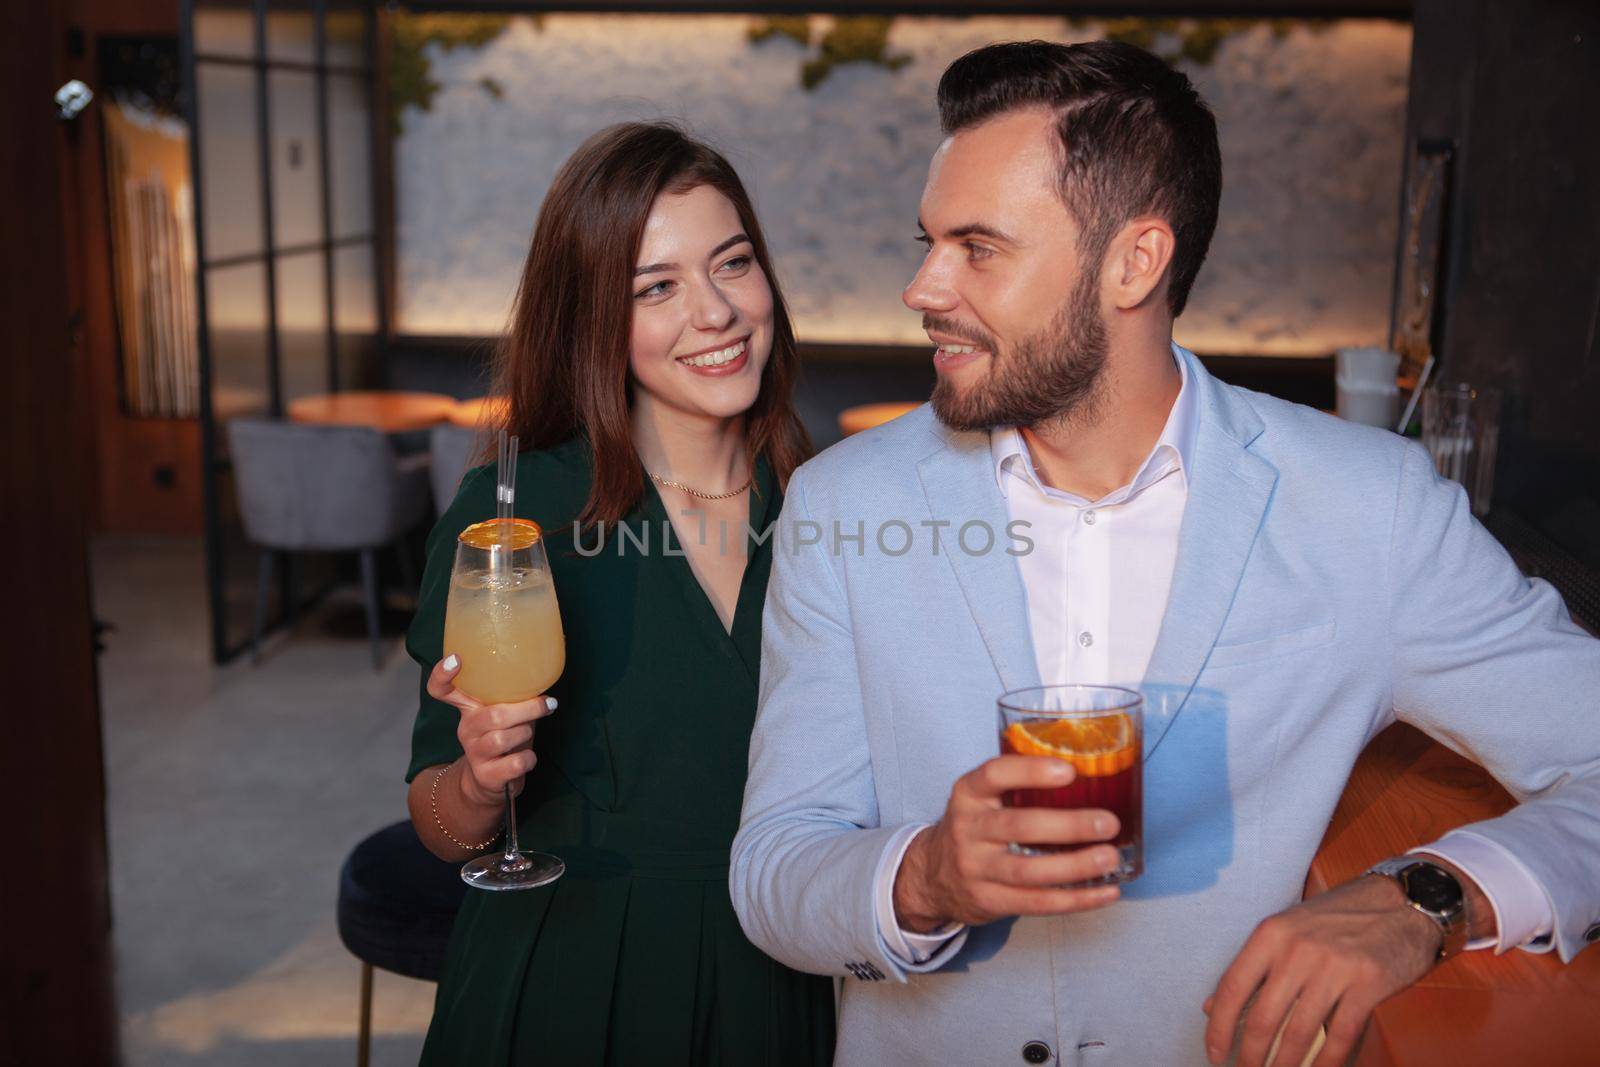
<point x="959" y="483"/>
<point x="1229" y="488"/>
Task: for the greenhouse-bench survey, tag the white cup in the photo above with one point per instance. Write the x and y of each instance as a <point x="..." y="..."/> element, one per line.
<point x="1369" y="405"/>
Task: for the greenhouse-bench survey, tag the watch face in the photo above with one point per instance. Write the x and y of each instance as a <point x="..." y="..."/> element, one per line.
<point x="1432" y="888"/>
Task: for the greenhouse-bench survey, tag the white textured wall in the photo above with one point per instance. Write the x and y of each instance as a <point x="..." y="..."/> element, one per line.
<point x="1311" y="124"/>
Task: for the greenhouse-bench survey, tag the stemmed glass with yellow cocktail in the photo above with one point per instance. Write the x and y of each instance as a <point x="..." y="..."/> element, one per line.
<point x="503" y="623"/>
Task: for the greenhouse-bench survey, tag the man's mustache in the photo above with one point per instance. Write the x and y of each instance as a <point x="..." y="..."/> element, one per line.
<point x="937" y="324"/>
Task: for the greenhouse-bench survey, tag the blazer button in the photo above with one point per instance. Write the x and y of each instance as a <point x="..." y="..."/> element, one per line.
<point x="1592" y="934"/>
<point x="1036" y="1052"/>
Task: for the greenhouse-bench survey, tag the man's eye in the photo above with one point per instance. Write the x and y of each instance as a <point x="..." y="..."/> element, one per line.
<point x="658" y="289"/>
<point x="975" y="251"/>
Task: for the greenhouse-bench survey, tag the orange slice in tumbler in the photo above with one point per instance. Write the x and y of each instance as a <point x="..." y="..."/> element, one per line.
<point x="1095" y="747"/>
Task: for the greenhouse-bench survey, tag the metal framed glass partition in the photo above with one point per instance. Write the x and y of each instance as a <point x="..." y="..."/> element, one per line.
<point x="282" y="99"/>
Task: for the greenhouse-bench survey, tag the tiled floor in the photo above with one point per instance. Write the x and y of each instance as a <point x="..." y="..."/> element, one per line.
<point x="233" y="796"/>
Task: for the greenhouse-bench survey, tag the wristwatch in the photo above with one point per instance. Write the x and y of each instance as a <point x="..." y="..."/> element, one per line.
<point x="1434" y="892"/>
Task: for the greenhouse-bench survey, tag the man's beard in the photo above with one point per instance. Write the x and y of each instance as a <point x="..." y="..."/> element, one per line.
<point x="1056" y="374"/>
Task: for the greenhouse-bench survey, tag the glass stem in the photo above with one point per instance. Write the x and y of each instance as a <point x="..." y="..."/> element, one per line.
<point x="511" y="826"/>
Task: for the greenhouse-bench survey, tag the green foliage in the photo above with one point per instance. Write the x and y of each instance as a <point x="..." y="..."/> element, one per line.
<point x="411" y="80"/>
<point x="795" y="27"/>
<point x="1198" y="40"/>
<point x="853" y="39"/>
<point x="1136" y="31"/>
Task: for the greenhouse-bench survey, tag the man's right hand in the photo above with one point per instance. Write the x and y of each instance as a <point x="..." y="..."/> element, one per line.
<point x="962" y="869"/>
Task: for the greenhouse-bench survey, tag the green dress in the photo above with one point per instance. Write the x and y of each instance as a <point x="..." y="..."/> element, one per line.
<point x="635" y="955"/>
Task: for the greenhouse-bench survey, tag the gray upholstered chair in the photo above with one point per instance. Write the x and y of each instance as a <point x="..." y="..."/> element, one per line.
<point x="306" y="488"/>
<point x="455" y="451"/>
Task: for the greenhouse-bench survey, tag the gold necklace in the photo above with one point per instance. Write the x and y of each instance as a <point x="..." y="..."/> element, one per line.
<point x="654" y="477"/>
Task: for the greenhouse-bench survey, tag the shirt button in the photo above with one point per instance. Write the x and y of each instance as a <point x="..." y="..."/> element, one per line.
<point x="1088" y="517"/>
<point x="1086" y="639"/>
<point x="1036" y="1052"/>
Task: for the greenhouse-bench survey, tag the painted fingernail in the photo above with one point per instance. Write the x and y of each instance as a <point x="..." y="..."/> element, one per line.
<point x="451" y="662"/>
<point x="552" y="703"/>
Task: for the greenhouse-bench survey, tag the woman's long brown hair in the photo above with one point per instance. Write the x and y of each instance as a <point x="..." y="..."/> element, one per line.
<point x="563" y="365"/>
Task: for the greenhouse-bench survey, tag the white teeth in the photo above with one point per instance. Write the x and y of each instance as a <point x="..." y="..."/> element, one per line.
<point x="957" y="350"/>
<point x="717" y="359"/>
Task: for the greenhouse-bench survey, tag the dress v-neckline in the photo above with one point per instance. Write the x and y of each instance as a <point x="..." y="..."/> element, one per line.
<point x="737" y="637"/>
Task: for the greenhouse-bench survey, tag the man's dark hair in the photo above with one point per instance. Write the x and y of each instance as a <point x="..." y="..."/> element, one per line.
<point x="1135" y="137"/>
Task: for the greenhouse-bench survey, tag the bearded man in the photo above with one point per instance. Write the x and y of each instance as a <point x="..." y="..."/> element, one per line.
<point x="1280" y="584"/>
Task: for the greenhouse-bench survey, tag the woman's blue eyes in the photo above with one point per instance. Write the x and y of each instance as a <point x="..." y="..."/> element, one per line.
<point x="662" y="288"/>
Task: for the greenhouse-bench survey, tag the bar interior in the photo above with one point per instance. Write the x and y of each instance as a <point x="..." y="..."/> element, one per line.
<point x="266" y="256"/>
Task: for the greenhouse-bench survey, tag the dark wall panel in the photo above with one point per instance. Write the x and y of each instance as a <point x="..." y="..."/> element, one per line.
<point x="55" y="969"/>
<point x="1517" y="86"/>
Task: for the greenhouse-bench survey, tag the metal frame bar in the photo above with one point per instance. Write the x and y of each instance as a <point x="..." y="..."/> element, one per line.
<point x="381" y="177"/>
<point x="304" y="247"/>
<point x="268" y="234"/>
<point x="319" y="11"/>
<point x="208" y="425"/>
<point x="279" y="64"/>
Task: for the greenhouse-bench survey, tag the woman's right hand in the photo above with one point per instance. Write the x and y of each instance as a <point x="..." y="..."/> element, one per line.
<point x="497" y="739"/>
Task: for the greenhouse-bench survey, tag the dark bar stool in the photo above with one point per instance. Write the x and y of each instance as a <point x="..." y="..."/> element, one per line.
<point x="397" y="903"/>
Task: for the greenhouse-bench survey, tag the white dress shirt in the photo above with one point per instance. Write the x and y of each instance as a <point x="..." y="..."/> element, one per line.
<point x="1097" y="582"/>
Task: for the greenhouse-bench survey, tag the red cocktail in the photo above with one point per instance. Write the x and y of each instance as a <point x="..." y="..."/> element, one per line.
<point x="1097" y="730"/>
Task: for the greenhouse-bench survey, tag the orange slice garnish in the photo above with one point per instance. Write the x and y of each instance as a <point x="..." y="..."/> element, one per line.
<point x="1095" y="747"/>
<point x="522" y="533"/>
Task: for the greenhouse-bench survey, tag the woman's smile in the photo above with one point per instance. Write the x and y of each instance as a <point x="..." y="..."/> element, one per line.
<point x="719" y="362"/>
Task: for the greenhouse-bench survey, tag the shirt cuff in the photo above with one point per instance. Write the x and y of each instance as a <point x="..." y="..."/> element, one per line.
<point x="909" y="949"/>
<point x="1523" y="913"/>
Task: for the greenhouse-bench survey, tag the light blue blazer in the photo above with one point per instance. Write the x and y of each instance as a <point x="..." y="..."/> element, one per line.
<point x="1327" y="583"/>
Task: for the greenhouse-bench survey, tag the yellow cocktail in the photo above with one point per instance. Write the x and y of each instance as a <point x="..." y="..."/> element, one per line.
<point x="507" y="631"/>
<point x="502" y="620"/>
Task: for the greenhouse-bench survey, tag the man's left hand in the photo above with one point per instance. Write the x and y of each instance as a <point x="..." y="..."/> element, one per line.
<point x="1329" y="960"/>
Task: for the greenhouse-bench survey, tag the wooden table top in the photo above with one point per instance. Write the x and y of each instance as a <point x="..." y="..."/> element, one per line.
<point x="866" y="416"/>
<point x="390" y="412"/>
<point x="1479" y="1008"/>
<point x="478" y="412"/>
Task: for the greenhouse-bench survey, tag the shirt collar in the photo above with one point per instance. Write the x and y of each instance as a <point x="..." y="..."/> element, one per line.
<point x="1174" y="448"/>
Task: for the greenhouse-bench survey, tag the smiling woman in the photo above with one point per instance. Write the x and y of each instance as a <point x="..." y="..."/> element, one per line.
<point x="702" y="319"/>
<point x="648" y="339"/>
<point x="587" y="356"/>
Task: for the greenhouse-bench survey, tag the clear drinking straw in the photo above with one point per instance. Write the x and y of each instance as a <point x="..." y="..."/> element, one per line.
<point x="505" y="501"/>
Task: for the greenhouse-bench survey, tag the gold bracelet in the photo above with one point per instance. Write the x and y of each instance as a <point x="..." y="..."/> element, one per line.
<point x="433" y="805"/>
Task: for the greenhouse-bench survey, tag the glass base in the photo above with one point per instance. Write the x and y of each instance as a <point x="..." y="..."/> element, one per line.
<point x="1130" y="864"/>
<point x="529" y="870"/>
